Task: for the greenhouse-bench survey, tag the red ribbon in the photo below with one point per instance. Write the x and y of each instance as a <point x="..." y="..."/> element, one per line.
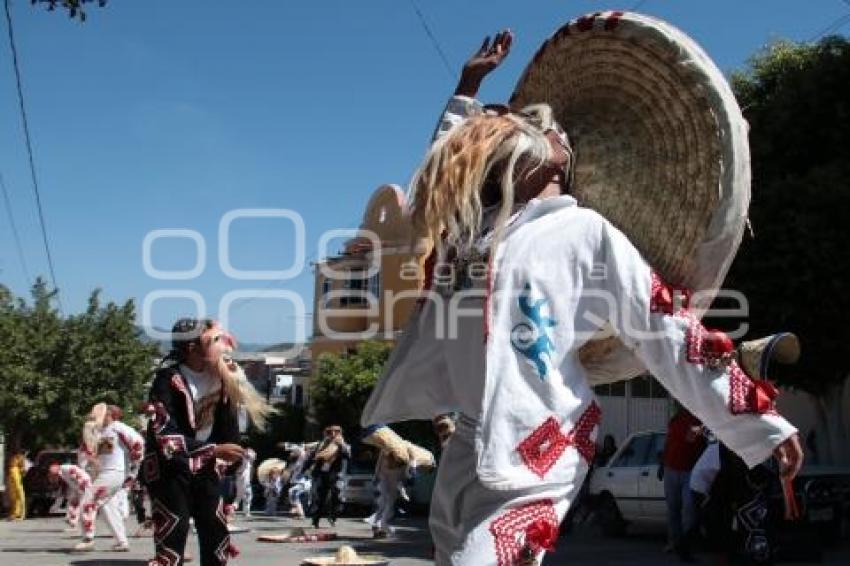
<point x="541" y="535"/>
<point x="792" y="509"/>
<point x="764" y="394"/>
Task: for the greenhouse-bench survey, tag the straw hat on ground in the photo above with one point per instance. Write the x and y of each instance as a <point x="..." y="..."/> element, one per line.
<point x="345" y="555"/>
<point x="267" y="467"/>
<point x="756" y="355"/>
<point x="661" y="149"/>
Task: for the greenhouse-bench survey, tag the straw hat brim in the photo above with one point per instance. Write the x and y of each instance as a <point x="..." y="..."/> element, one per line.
<point x="756" y="355"/>
<point x="266" y="467"/>
<point x="331" y="561"/>
<point x="660" y="142"/>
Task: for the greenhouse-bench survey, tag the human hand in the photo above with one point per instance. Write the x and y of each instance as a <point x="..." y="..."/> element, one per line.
<point x="229" y="452"/>
<point x="789" y="455"/>
<point x="489" y="56"/>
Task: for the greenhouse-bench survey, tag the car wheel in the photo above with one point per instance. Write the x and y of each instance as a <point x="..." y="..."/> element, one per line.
<point x="610" y="519"/>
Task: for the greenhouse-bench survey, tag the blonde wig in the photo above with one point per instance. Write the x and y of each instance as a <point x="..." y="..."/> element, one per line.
<point x="446" y="191"/>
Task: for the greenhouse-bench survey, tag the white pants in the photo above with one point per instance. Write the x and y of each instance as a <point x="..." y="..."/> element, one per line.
<point x="245" y="495"/>
<point x="473" y="525"/>
<point x="104" y="498"/>
<point x="388" y="489"/>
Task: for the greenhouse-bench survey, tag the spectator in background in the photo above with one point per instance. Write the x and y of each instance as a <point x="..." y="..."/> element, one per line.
<point x="684" y="445"/>
<point x="244" y="494"/>
<point x="608" y="449"/>
<point x="299" y="482"/>
<point x="273" y="491"/>
<point x="328" y="462"/>
<point x="15" y="488"/>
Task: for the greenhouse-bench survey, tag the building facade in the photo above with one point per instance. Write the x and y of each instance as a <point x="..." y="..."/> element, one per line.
<point x="369" y="290"/>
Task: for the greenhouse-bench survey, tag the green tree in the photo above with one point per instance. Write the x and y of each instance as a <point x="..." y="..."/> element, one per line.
<point x="796" y="98"/>
<point x="75" y="8"/>
<point x="53" y="369"/>
<point x="343" y="382"/>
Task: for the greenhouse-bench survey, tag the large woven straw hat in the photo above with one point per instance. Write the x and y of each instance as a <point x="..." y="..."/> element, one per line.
<point x="661" y="145"/>
<point x="660" y="142"/>
<point x="266" y="467"/>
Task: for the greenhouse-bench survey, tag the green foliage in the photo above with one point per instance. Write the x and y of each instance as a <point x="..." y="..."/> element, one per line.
<point x="53" y="369"/>
<point x="796" y="98"/>
<point x="343" y="382"/>
<point x="73" y="7"/>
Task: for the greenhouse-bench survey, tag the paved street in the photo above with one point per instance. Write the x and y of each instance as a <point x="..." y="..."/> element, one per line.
<point x="42" y="542"/>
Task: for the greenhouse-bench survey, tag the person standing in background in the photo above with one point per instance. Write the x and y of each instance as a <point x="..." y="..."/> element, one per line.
<point x="15" y="486"/>
<point x="684" y="445"/>
<point x="329" y="458"/>
<point x="244" y="494"/>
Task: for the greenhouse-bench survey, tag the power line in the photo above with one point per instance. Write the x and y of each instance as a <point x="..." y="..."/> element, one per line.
<point x="831" y="28"/>
<point x="14" y="227"/>
<point x="434" y="41"/>
<point x="28" y="139"/>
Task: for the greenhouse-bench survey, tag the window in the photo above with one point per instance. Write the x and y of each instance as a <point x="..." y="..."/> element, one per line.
<point x="611" y="389"/>
<point x="635" y="453"/>
<point x="657" y="449"/>
<point x="641" y="386"/>
<point x="327" y="285"/>
<point x="356" y="287"/>
<point x="375" y="286"/>
<point x="298" y="398"/>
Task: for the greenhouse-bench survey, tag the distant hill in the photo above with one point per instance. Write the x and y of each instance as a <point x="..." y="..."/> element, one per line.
<point x="165" y="345"/>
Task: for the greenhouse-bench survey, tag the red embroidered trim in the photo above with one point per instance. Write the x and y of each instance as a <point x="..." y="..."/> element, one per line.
<point x="164" y="521"/>
<point x="583" y="429"/>
<point x="544" y="446"/>
<point x="198" y="458"/>
<point x="488" y="292"/>
<point x="134" y="448"/>
<point x="509" y="530"/>
<point x="667" y="299"/>
<point x="170" y="444"/>
<point x="740" y="387"/>
<point x="177" y="383"/>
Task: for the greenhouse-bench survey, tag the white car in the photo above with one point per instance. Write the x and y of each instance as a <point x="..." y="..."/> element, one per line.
<point x="627" y="488"/>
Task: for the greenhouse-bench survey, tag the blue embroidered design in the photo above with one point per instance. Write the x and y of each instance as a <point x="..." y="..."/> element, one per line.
<point x="532" y="340"/>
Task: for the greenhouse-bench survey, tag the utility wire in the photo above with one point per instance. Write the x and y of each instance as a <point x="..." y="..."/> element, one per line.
<point x="28" y="139"/>
<point x="14" y="227"/>
<point x="434" y="41"/>
<point x="637" y="5"/>
<point x="831" y="28"/>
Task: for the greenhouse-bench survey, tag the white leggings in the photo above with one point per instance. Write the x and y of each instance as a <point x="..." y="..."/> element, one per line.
<point x="473" y="525"/>
<point x="103" y="497"/>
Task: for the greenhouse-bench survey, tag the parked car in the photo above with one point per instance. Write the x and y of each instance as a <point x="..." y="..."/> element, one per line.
<point x="41" y="492"/>
<point x="357" y="488"/>
<point x="628" y="490"/>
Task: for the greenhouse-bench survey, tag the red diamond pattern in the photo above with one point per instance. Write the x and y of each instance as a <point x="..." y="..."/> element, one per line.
<point x="544" y="446"/>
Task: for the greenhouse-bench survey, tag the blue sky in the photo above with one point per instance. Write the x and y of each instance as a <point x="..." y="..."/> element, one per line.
<point x="166" y="115"/>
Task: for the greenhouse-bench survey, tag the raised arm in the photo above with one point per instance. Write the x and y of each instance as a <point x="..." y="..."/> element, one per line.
<point x="694" y="365"/>
<point x="463" y="103"/>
